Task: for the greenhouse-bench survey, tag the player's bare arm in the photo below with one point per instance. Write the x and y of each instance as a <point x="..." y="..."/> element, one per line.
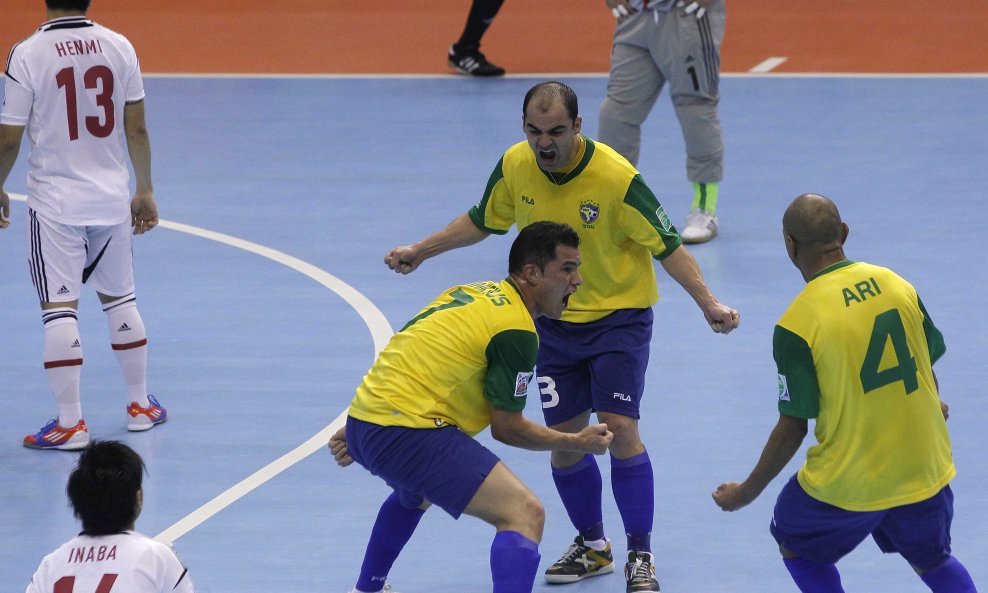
<point x="683" y="268"/>
<point x="512" y="428"/>
<point x="10" y="145"/>
<point x="143" y="209"/>
<point x="782" y="444"/>
<point x="459" y="233"/>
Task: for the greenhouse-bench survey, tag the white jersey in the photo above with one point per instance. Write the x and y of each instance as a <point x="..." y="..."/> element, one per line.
<point x="127" y="562"/>
<point x="68" y="83"/>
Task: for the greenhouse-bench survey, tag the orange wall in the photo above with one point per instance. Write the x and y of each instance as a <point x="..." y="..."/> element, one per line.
<point x="411" y="36"/>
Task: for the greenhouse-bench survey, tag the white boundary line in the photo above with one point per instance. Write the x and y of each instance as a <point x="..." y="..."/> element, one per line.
<point x="769" y="64"/>
<point x="564" y="75"/>
<point x="375" y="321"/>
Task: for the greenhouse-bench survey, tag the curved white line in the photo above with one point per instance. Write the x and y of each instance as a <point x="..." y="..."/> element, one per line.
<point x="376" y="322"/>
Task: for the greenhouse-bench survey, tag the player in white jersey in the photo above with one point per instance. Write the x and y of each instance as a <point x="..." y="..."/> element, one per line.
<point x="76" y="87"/>
<point x="109" y="556"/>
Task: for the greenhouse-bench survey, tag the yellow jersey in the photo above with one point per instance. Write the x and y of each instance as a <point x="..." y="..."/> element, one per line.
<point x="474" y="344"/>
<point x="855" y="351"/>
<point x="621" y="224"/>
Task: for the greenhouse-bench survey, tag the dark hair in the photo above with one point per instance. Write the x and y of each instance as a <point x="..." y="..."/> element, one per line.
<point x="80" y="5"/>
<point x="546" y="91"/>
<point x="536" y="244"/>
<point x="103" y="487"/>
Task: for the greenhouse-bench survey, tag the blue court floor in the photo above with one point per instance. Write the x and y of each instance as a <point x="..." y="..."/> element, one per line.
<point x="265" y="297"/>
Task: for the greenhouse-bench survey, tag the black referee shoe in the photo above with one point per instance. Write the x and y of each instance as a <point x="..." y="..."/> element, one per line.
<point x="472" y="63"/>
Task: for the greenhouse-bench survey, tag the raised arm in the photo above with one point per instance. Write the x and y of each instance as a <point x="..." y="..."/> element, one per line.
<point x="512" y="428"/>
<point x="683" y="268"/>
<point x="459" y="233"/>
<point x="782" y="444"/>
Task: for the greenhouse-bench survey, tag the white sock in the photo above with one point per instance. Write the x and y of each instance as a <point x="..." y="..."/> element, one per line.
<point x="129" y="341"/>
<point x="63" y="362"/>
<point x="596" y="544"/>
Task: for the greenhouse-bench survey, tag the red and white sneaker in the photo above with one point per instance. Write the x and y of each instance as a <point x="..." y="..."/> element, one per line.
<point x="145" y="418"/>
<point x="53" y="436"/>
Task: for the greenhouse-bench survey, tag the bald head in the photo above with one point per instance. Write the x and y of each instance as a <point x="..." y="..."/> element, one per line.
<point x="814" y="234"/>
<point x="814" y="222"/>
<point x="543" y="95"/>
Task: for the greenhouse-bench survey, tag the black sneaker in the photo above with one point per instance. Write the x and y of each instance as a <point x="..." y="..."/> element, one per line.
<point x="640" y="573"/>
<point x="472" y="63"/>
<point x="579" y="562"/>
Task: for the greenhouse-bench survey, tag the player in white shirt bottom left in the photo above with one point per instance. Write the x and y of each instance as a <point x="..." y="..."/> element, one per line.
<point x="108" y="556"/>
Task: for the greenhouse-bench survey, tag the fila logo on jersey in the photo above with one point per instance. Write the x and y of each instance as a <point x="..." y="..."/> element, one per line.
<point x="783" y="389"/>
<point x="622" y="396"/>
<point x="528" y="200"/>
<point x="521" y="383"/>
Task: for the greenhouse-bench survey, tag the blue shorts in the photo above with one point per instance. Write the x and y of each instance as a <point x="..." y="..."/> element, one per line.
<point x="441" y="465"/>
<point x="598" y="365"/>
<point x="821" y="532"/>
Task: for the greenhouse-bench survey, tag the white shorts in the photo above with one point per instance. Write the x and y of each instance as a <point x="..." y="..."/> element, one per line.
<point x="63" y="257"/>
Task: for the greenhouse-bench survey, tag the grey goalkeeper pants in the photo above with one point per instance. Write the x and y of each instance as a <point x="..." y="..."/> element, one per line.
<point x="650" y="50"/>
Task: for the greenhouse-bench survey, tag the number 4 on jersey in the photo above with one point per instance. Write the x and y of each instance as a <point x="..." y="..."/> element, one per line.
<point x="888" y="326"/>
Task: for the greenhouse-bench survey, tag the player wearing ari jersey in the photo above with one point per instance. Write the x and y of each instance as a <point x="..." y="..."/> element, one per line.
<point x="594" y="358"/>
<point x="76" y="88"/>
<point x="106" y="494"/>
<point x="464" y="362"/>
<point x="855" y="350"/>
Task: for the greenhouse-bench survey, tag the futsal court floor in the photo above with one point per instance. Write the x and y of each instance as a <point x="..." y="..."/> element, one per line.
<point x="265" y="297"/>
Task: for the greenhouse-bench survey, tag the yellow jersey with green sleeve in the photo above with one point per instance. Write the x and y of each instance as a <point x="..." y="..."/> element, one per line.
<point x="855" y="350"/>
<point x="621" y="224"/>
<point x="474" y="344"/>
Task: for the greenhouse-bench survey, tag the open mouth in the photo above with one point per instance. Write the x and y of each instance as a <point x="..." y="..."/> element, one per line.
<point x="547" y="155"/>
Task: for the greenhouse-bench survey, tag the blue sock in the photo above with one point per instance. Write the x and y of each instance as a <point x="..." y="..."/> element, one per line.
<point x="392" y="530"/>
<point x="949" y="577"/>
<point x="634" y="493"/>
<point x="514" y="562"/>
<point x="579" y="488"/>
<point x="813" y="577"/>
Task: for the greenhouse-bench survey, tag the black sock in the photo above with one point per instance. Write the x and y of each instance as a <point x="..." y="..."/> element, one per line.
<point x="482" y="13"/>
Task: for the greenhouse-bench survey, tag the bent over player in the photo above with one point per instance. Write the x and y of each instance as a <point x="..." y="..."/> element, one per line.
<point x="463" y="363"/>
<point x="855" y="350"/>
<point x="76" y="86"/>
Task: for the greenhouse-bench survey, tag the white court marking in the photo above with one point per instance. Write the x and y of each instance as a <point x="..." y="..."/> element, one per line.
<point x="375" y="321"/>
<point x="769" y="64"/>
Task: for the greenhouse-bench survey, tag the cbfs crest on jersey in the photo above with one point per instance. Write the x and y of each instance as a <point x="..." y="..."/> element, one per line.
<point x="589" y="211"/>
